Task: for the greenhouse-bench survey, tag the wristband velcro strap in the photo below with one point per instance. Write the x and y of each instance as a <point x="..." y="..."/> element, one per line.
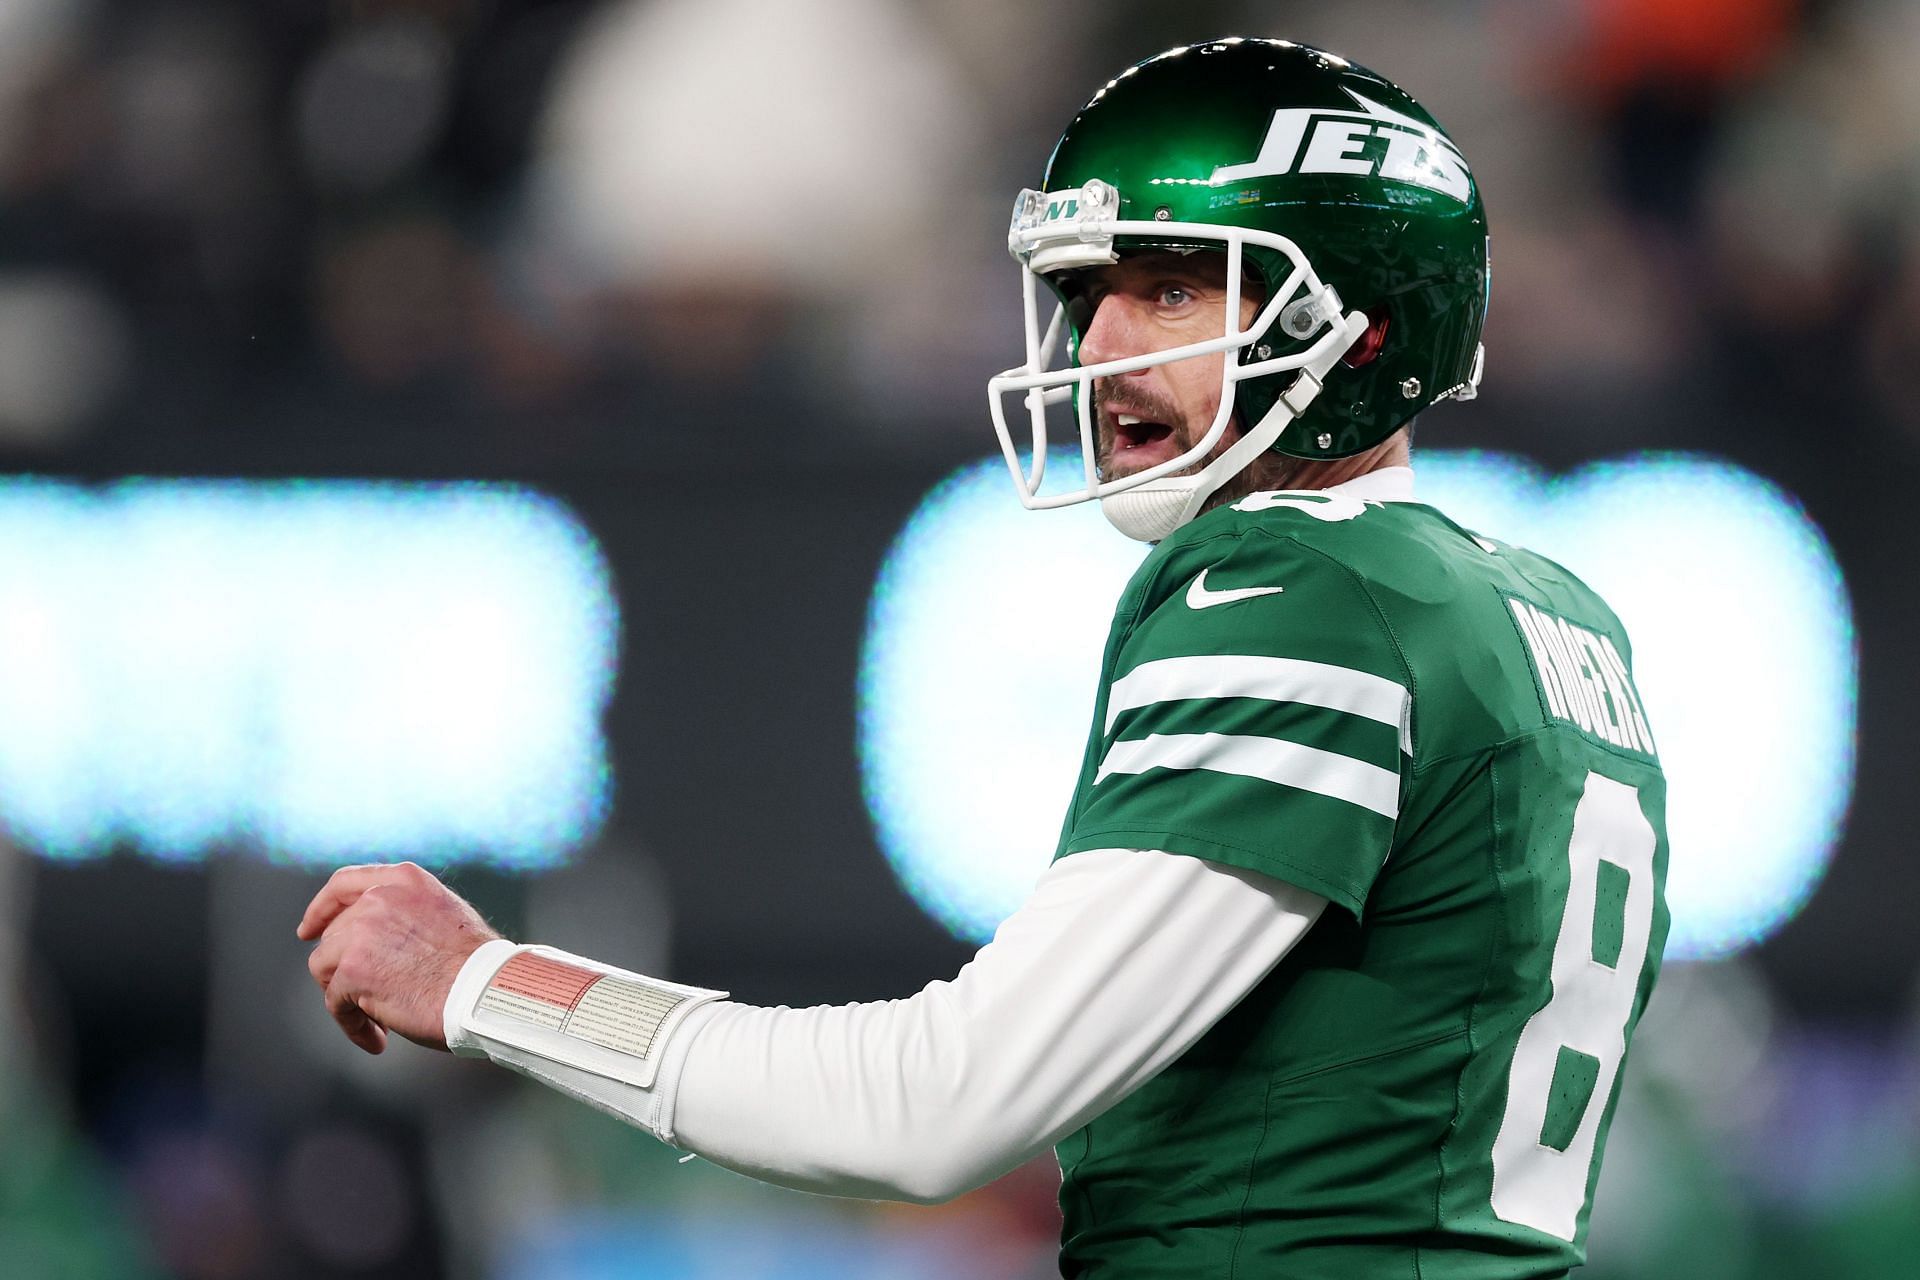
<point x="575" y="1011"/>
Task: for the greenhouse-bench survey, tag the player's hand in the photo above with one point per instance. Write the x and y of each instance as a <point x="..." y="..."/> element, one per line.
<point x="392" y="940"/>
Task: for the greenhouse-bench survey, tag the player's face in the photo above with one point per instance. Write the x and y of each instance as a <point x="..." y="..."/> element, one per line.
<point x="1144" y="304"/>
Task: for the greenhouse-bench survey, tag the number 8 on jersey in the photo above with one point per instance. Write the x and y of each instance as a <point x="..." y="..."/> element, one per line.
<point x="1569" y="1053"/>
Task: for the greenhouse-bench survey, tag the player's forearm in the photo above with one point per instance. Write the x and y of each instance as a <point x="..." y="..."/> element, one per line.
<point x="1118" y="963"/>
<point x="881" y="1101"/>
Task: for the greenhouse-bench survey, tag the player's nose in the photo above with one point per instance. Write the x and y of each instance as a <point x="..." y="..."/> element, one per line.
<point x="1115" y="332"/>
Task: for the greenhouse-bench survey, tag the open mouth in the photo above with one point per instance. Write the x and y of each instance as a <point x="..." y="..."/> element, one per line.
<point x="1131" y="432"/>
<point x="1136" y="442"/>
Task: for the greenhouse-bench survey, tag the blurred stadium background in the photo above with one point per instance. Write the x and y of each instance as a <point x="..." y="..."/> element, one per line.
<point x="476" y="431"/>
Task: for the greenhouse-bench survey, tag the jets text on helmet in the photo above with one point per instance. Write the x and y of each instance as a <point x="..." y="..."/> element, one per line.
<point x="1373" y="141"/>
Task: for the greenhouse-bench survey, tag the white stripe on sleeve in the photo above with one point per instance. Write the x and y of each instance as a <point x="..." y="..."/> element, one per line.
<point x="1314" y="684"/>
<point x="1292" y="764"/>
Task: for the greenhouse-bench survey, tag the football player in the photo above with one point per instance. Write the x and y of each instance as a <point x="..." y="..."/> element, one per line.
<point x="1359" y="896"/>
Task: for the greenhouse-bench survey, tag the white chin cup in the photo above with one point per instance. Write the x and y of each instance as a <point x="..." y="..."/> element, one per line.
<point x="1150" y="512"/>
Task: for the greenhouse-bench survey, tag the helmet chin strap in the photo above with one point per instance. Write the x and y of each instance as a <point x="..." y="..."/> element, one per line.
<point x="1151" y="511"/>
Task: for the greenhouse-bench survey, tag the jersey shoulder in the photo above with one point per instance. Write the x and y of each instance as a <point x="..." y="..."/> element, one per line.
<point x="1491" y="640"/>
<point x="1409" y="556"/>
<point x="1554" y="586"/>
<point x="1252" y="710"/>
<point x="1233" y="582"/>
<point x="1393" y="558"/>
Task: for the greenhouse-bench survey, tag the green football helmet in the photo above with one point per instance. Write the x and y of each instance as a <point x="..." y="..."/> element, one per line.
<point x="1325" y="184"/>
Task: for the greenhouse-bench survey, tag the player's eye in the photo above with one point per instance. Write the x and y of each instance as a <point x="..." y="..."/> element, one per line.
<point x="1175" y="295"/>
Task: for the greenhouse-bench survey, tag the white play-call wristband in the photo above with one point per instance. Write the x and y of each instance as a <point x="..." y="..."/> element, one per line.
<point x="567" y="1009"/>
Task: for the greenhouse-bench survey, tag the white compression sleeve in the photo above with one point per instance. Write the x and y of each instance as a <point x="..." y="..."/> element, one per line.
<point x="1118" y="962"/>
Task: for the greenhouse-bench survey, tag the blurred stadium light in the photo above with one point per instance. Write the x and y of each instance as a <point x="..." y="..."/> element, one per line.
<point x="982" y="649"/>
<point x="315" y="669"/>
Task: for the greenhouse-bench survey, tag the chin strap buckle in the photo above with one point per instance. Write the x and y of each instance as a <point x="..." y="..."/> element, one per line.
<point x="1299" y="395"/>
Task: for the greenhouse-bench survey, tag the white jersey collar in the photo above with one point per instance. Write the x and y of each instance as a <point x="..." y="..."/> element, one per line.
<point x="1387" y="484"/>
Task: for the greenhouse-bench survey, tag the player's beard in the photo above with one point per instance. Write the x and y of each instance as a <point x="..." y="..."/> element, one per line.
<point x="1152" y="408"/>
<point x="1267" y="472"/>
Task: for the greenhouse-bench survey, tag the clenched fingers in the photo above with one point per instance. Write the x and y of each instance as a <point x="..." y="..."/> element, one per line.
<point x="343" y="989"/>
<point x="342" y="932"/>
<point x="391" y="941"/>
<point x="344" y="887"/>
<point x="353" y="1020"/>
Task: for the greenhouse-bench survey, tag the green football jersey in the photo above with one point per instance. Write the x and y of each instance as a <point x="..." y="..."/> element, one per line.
<point x="1440" y="734"/>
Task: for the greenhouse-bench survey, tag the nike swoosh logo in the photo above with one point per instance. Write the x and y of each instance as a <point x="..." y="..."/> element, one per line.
<point x="1198" y="597"/>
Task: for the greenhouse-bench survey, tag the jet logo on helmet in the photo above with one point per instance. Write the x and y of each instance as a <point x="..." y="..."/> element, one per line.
<point x="1343" y="142"/>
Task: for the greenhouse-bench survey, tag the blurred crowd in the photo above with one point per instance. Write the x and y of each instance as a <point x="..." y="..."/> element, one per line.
<point x="546" y="231"/>
<point x="536" y="237"/>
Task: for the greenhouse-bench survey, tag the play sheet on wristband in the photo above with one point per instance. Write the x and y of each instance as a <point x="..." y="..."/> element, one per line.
<point x="589" y="1016"/>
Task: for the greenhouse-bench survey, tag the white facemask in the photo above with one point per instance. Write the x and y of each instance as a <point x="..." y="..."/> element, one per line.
<point x="1076" y="229"/>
